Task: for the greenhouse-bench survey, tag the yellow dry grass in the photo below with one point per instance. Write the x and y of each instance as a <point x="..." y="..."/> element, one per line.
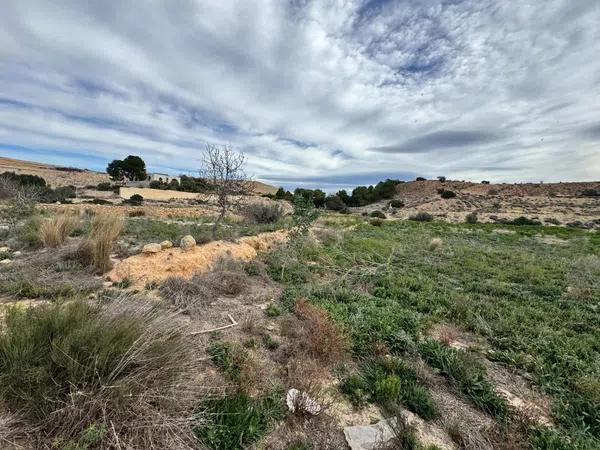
<point x="54" y="231"/>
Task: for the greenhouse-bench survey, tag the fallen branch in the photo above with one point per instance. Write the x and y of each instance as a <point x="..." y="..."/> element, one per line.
<point x="232" y="324"/>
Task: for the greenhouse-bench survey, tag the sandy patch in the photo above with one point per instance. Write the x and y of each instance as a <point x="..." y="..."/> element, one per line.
<point x="156" y="267"/>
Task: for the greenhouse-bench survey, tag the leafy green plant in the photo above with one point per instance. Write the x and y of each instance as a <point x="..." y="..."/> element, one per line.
<point x="237" y="420"/>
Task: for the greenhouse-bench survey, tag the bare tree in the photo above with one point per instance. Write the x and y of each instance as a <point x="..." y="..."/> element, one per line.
<point x="224" y="170"/>
<point x="20" y="198"/>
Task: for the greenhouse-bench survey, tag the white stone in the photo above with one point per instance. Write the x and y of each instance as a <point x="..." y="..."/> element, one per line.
<point x="4" y="249"/>
<point x="369" y="437"/>
<point x="187" y="242"/>
<point x="5" y="261"/>
<point x="151" y="248"/>
<point x="17" y="253"/>
<point x="166" y="244"/>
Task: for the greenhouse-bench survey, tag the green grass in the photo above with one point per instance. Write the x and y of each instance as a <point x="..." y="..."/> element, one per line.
<point x="388" y="381"/>
<point x="537" y="303"/>
<point x="229" y="358"/>
<point x="237" y="420"/>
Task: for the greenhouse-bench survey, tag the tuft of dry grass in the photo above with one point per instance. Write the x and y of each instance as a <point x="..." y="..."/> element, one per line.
<point x="227" y="277"/>
<point x="435" y="243"/>
<point x="97" y="246"/>
<point x="54" y="231"/>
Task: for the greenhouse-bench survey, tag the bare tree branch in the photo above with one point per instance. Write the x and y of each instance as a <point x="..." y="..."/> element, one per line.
<point x="224" y="170"/>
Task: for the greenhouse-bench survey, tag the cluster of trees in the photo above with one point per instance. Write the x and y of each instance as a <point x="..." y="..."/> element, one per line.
<point x="132" y="168"/>
<point x="316" y="197"/>
<point x="34" y="188"/>
<point x="362" y="195"/>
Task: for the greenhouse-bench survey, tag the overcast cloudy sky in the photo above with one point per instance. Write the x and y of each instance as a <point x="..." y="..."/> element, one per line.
<point x="319" y="93"/>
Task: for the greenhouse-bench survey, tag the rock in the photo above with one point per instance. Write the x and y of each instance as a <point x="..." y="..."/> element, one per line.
<point x="166" y="244"/>
<point x="151" y="248"/>
<point x="368" y="437"/>
<point x="17" y="253"/>
<point x="300" y="401"/>
<point x="4" y="249"/>
<point x="187" y="242"/>
<point x="107" y="284"/>
<point x="5" y="261"/>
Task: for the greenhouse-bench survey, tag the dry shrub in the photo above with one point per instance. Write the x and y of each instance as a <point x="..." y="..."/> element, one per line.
<point x="54" y="231"/>
<point x="227" y="277"/>
<point x="97" y="246"/>
<point x="318" y="336"/>
<point x="132" y="387"/>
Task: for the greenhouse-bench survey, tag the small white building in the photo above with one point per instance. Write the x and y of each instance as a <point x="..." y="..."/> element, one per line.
<point x="165" y="178"/>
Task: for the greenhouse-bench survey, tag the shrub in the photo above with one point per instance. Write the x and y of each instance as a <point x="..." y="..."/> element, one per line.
<point x="493" y="192"/>
<point x="591" y="193"/>
<point x="396" y="203"/>
<point x="104" y="186"/>
<point x="263" y="212"/>
<point x="485" y="182"/>
<point x="376" y="222"/>
<point x="229" y="358"/>
<point x="448" y="194"/>
<point x="552" y="221"/>
<point x="135" y="200"/>
<point x="442" y="179"/>
<point x="378" y="214"/>
<point x="522" y="220"/>
<point x="97" y="246"/>
<point x="318" y="336"/>
<point x="335" y="203"/>
<point x="420" y="179"/>
<point x="54" y="231"/>
<point x="227" y="277"/>
<point x="68" y="367"/>
<point x="98" y="201"/>
<point x="137" y="213"/>
<point x="471" y="218"/>
<point x="237" y="420"/>
<point x="421" y="217"/>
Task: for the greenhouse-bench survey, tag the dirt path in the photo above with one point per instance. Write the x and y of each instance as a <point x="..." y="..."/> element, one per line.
<point x="144" y="268"/>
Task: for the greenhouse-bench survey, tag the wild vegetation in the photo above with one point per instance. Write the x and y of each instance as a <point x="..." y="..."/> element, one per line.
<point x="467" y="335"/>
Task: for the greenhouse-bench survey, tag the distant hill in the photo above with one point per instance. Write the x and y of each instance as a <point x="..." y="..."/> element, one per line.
<point x="54" y="175"/>
<point x="64" y="176"/>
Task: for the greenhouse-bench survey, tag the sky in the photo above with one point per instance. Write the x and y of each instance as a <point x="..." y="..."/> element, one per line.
<point x="316" y="93"/>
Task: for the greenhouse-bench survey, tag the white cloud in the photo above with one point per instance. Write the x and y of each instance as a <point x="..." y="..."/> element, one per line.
<point x="306" y="88"/>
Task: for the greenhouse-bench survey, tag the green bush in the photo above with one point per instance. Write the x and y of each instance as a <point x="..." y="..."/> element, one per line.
<point x="421" y="217"/>
<point x="396" y="203"/>
<point x="135" y="200"/>
<point x="388" y="381"/>
<point x="448" y="194"/>
<point x="238" y="420"/>
<point x="378" y="214"/>
<point x="471" y="218"/>
<point x="263" y="212"/>
<point x="376" y="222"/>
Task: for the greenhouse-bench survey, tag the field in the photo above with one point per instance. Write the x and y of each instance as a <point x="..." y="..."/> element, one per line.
<point x="288" y="331"/>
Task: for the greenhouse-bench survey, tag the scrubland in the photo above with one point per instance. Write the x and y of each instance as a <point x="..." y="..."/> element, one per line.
<point x="468" y="335"/>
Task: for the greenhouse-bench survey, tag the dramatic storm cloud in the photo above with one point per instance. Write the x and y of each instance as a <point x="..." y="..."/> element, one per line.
<point x="315" y="92"/>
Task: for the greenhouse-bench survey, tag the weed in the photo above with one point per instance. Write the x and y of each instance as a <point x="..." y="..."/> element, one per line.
<point x="230" y="358"/>
<point x="54" y="231"/>
<point x="97" y="246"/>
<point x="237" y="420"/>
<point x="467" y="374"/>
<point x="273" y="310"/>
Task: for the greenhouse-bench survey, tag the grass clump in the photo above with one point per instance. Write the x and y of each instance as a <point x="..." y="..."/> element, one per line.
<point x="467" y="374"/>
<point x="238" y="420"/>
<point x="68" y="367"/>
<point x="97" y="246"/>
<point x="230" y="359"/>
<point x="387" y="382"/>
<point x="54" y="231"/>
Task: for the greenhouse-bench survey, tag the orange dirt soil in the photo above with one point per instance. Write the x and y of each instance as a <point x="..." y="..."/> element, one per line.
<point x="156" y="267"/>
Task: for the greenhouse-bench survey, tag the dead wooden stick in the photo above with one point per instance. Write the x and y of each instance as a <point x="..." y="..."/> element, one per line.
<point x="232" y="324"/>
